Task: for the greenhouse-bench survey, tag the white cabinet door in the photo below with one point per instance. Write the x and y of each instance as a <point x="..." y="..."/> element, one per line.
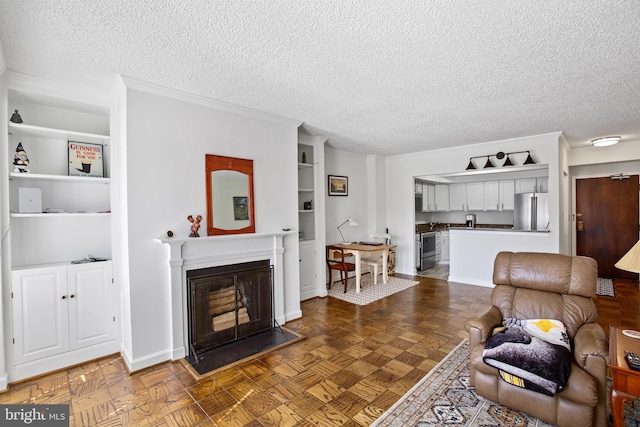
<point x="428" y="197"/>
<point x="441" y="198"/>
<point x="444" y="248"/>
<point x="418" y="189"/>
<point x="491" y="196"/>
<point x="457" y="197"/>
<point x="475" y="196"/>
<point x="532" y="185"/>
<point x="40" y="321"/>
<point x="507" y="194"/>
<point x="91" y="308"/>
<point x="307" y="271"/>
<point x="543" y="185"/>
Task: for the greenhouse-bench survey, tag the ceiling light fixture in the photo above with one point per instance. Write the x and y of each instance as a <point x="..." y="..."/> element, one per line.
<point x="607" y="140"/>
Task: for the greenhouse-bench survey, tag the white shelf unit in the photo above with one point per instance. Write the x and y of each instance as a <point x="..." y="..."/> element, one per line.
<point x="311" y="187"/>
<point x="76" y="221"/>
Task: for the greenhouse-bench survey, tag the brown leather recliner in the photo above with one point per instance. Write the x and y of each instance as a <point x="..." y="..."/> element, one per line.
<point x="546" y="286"/>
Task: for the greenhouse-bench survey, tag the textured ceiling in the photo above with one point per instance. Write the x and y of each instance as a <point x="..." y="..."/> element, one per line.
<point x="375" y="76"/>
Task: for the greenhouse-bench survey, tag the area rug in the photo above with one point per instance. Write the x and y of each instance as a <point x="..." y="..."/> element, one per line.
<point x="605" y="287"/>
<point x="445" y="398"/>
<point x="368" y="291"/>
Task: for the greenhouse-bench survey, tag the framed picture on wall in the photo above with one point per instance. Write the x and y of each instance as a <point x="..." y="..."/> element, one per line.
<point x="338" y="185"/>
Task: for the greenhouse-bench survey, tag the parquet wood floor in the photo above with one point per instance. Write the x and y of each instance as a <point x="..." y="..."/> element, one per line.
<point x="355" y="363"/>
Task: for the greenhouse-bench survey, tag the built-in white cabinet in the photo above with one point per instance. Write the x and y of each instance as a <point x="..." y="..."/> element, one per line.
<point x="532" y="185"/>
<point x="311" y="192"/>
<point x="418" y="189"/>
<point x="307" y="269"/>
<point x="499" y="195"/>
<point x="60" y="309"/>
<point x="59" y="211"/>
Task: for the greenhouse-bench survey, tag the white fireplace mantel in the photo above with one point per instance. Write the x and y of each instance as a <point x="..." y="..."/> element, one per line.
<point x="212" y="251"/>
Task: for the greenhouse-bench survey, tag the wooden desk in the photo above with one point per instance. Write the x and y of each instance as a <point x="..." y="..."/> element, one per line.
<point x="357" y="250"/>
<point x="626" y="381"/>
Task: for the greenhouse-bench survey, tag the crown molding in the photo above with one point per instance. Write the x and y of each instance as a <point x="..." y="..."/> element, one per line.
<point x="207" y="102"/>
<point x="57" y="89"/>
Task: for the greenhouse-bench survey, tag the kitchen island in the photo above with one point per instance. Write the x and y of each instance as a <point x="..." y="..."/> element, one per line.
<point x="473" y="250"/>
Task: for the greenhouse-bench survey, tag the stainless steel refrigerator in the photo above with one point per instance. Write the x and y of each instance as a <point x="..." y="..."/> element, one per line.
<point x="531" y="211"/>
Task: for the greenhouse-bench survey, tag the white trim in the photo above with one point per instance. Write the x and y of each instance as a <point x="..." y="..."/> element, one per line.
<point x="207" y="102"/>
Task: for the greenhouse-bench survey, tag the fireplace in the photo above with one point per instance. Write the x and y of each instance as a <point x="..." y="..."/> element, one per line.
<point x="228" y="303"/>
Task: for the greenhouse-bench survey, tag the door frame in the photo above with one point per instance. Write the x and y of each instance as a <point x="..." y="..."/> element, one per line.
<point x="601" y="174"/>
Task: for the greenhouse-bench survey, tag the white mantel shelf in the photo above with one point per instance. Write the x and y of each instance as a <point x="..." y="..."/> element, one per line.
<point x="191" y="253"/>
<point x="181" y="240"/>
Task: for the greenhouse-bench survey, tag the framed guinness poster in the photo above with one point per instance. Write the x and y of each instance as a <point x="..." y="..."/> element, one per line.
<point x="86" y="159"/>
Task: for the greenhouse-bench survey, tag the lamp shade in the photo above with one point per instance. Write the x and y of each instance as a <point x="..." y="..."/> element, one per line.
<point x="488" y="164"/>
<point x="471" y="166"/>
<point x="631" y="260"/>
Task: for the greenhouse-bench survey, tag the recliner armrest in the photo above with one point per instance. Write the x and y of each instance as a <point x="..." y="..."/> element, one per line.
<point x="479" y="328"/>
<point x="590" y="340"/>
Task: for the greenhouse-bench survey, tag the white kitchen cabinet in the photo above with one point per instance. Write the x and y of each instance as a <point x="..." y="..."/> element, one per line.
<point x="491" y="195"/>
<point x="444" y="247"/>
<point x="466" y="196"/>
<point x="457" y="197"/>
<point x="507" y="194"/>
<point x="475" y="196"/>
<point x="418" y="187"/>
<point x="532" y="185"/>
<point x="441" y="198"/>
<point x="499" y="195"/>
<point x="61" y="308"/>
<point x="428" y="197"/>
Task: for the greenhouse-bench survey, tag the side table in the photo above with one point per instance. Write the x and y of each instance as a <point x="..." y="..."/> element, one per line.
<point x="626" y="381"/>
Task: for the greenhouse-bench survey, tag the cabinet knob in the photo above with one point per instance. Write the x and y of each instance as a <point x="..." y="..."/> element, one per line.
<point x="71" y="296"/>
<point x="64" y="297"/>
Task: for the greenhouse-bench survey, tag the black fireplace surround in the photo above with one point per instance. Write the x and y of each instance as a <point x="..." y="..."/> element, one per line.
<point x="228" y="303"/>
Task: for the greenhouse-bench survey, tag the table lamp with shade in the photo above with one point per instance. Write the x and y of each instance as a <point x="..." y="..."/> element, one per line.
<point x="351" y="223"/>
<point x="631" y="260"/>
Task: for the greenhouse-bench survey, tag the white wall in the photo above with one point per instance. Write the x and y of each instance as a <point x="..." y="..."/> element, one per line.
<point x="402" y="169"/>
<point x="355" y="204"/>
<point x="166" y="143"/>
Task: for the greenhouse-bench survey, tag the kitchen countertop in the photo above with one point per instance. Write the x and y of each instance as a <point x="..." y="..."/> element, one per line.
<point x="497" y="229"/>
<point x="445" y="227"/>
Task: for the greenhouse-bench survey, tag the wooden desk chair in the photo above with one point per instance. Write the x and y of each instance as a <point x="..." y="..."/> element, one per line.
<point x="336" y="261"/>
<point x="374" y="261"/>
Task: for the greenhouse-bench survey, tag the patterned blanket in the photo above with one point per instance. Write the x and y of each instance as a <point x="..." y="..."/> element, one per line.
<point x="533" y="353"/>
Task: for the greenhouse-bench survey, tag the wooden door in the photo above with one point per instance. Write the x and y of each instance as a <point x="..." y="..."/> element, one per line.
<point x="607" y="221"/>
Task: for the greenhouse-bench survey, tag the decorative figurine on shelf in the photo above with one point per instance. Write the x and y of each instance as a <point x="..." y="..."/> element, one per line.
<point x="15" y="117"/>
<point x="195" y="225"/>
<point x="20" y="159"/>
<point x="307" y="205"/>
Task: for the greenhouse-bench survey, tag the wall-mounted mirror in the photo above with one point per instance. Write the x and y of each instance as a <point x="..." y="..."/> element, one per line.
<point x="229" y="195"/>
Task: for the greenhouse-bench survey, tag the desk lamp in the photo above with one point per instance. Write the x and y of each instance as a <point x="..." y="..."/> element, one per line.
<point x="351" y="223"/>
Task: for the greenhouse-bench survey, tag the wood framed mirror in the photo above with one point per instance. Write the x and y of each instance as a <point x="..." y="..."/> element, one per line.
<point x="229" y="195"/>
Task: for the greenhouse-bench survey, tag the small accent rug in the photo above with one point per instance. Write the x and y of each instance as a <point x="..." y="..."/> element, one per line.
<point x="368" y="291"/>
<point x="445" y="398"/>
<point x="605" y="287"/>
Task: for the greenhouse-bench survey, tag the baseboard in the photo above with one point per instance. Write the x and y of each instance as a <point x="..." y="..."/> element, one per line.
<point x="292" y="316"/>
<point x="134" y="365"/>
